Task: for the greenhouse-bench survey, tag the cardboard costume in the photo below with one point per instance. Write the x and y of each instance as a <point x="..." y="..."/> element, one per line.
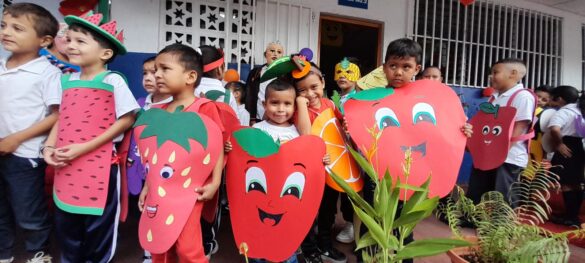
<point x="348" y="70"/>
<point x="274" y="191"/>
<point x="179" y="151"/>
<point x="423" y="116"/>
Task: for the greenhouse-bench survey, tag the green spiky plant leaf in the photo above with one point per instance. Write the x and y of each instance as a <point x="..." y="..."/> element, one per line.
<point x="507" y="234"/>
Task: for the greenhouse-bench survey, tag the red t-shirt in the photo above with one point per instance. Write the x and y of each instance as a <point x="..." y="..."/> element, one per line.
<point x="313" y="113"/>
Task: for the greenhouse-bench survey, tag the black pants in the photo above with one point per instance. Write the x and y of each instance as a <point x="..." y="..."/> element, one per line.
<point x="499" y="179"/>
<point x="325" y="220"/>
<point x="346" y="208"/>
<point x="89" y="238"/>
<point x="23" y="203"/>
<point x="570" y="170"/>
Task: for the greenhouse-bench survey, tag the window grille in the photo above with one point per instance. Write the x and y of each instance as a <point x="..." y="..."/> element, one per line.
<point x="466" y="40"/>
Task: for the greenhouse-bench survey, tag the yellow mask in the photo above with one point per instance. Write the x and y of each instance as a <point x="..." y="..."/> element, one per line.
<point x="348" y="70"/>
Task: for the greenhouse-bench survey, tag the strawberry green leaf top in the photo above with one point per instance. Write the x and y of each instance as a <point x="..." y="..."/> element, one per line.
<point x="177" y="127"/>
<point x="489" y="109"/>
<point x="256" y="142"/>
<point x="373" y="94"/>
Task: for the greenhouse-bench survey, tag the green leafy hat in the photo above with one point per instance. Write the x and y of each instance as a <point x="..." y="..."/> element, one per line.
<point x="107" y="30"/>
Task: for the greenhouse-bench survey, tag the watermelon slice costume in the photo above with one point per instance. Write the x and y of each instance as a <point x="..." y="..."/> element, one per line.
<point x="81" y="187"/>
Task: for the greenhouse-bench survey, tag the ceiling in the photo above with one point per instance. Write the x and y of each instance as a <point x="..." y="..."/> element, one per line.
<point x="573" y="6"/>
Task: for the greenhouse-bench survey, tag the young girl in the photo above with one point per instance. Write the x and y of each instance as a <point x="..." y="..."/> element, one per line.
<point x="310" y="103"/>
<point x="569" y="155"/>
<point x="237" y="88"/>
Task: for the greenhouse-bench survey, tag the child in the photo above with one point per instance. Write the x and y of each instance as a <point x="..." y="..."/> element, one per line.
<point x="56" y="52"/>
<point x="29" y="99"/>
<point x="279" y="106"/>
<point x="89" y="234"/>
<point x="432" y="73"/>
<point x="154" y="97"/>
<point x="213" y="70"/>
<point x="178" y="71"/>
<point x="569" y="158"/>
<point x="310" y="103"/>
<point x="543" y="93"/>
<point x="237" y="89"/>
<point x="347" y="73"/>
<point x="505" y="76"/>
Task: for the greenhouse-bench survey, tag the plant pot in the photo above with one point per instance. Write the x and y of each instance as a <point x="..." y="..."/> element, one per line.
<point x="456" y="254"/>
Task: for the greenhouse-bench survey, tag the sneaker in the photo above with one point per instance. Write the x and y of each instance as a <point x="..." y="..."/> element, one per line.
<point x="333" y="255"/>
<point x="313" y="258"/>
<point x="40" y="257"/>
<point x="147" y="258"/>
<point x="9" y="260"/>
<point x="210" y="248"/>
<point x="346" y="235"/>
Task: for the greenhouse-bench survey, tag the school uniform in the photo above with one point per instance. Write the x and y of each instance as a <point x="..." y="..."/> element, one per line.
<point x="26" y="94"/>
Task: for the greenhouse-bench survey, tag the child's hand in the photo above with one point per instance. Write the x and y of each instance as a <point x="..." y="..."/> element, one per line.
<point x="327" y="159"/>
<point x="71" y="152"/>
<point x="49" y="156"/>
<point x="302" y="101"/>
<point x="9" y="144"/>
<point x="564" y="150"/>
<point x="142" y="197"/>
<point x="467" y="130"/>
<point x="207" y="191"/>
<point x="227" y="147"/>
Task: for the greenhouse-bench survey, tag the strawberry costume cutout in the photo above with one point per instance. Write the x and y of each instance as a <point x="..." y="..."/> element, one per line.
<point x="424" y="116"/>
<point x="179" y="151"/>
<point x="492" y="131"/>
<point x="274" y="191"/>
<point x="81" y="187"/>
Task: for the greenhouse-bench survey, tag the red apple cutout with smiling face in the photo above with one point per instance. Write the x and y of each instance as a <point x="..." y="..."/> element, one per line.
<point x="424" y="116"/>
<point x="274" y="191"/>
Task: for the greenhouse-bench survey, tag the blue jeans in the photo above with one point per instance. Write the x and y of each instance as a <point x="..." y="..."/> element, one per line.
<point x="292" y="259"/>
<point x="23" y="203"/>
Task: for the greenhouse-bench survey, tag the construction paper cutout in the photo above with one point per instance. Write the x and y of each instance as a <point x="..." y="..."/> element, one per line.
<point x="274" y="199"/>
<point x="425" y="116"/>
<point x="328" y="127"/>
<point x="82" y="186"/>
<point x="348" y="70"/>
<point x="281" y="67"/>
<point x="492" y="132"/>
<point x="179" y="151"/>
<point x="374" y="79"/>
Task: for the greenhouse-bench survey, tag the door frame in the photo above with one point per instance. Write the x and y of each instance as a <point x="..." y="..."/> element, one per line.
<point x="378" y="25"/>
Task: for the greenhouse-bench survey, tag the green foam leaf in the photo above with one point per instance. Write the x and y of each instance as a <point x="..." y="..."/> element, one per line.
<point x="256" y="142"/>
<point x="489" y="108"/>
<point x="372" y="94"/>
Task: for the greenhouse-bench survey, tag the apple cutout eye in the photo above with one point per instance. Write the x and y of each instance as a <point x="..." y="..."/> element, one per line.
<point x="497" y="130"/>
<point x="423" y="112"/>
<point x="385" y="117"/>
<point x="485" y="130"/>
<point x="294" y="185"/>
<point x="255" y="180"/>
<point x="166" y="172"/>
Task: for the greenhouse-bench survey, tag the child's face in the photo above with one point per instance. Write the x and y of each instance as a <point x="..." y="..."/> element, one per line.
<point x="312" y="88"/>
<point x="501" y="77"/>
<point x="237" y="94"/>
<point x="83" y="50"/>
<point x="171" y="76"/>
<point x="279" y="106"/>
<point x="18" y="35"/>
<point x="345" y="85"/>
<point x="400" y="70"/>
<point x="543" y="98"/>
<point x="148" y="79"/>
<point x="432" y="74"/>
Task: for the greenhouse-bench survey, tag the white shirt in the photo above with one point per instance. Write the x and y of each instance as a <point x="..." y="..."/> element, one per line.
<point x="123" y="98"/>
<point x="148" y="102"/>
<point x="564" y="118"/>
<point x="278" y="133"/>
<point x="243" y="115"/>
<point x="261" y="95"/>
<point x="524" y="103"/>
<point x="208" y="84"/>
<point x="26" y="93"/>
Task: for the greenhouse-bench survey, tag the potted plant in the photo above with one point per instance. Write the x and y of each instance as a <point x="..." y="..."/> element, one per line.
<point x="507" y="234"/>
<point x="387" y="224"/>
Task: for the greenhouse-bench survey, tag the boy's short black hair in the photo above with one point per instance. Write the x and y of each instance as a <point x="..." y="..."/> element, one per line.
<point x="188" y="57"/>
<point x="544" y="88"/>
<point x="149" y="59"/>
<point x="404" y="48"/>
<point x="44" y="23"/>
<point x="569" y="93"/>
<point x="278" y="84"/>
<point x="102" y="41"/>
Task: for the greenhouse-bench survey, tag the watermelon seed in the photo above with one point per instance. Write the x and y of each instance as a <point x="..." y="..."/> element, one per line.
<point x="71" y="141"/>
<point x="95" y="90"/>
<point x="103" y="151"/>
<point x="62" y="130"/>
<point x="73" y="103"/>
<point x="64" y="108"/>
<point x="91" y="104"/>
<point x="92" y="176"/>
<point x="69" y="124"/>
<point x="101" y="167"/>
<point x="67" y="174"/>
<point x="78" y="130"/>
<point x="100" y="189"/>
<point x="70" y="184"/>
<point x="100" y="182"/>
<point x="105" y="119"/>
<point x="80" y="170"/>
<point x="85" y="97"/>
<point x="86" y="111"/>
<point x="110" y="114"/>
<point x="93" y="198"/>
<point x="75" y="197"/>
<point x="66" y="117"/>
<point x="90" y="160"/>
<point x="88" y="116"/>
<point x="86" y="186"/>
<point x="96" y="98"/>
<point x="60" y="139"/>
<point x="58" y="191"/>
<point x="107" y="101"/>
<point x="102" y="127"/>
<point x="109" y="96"/>
<point x="85" y="121"/>
<point x="98" y="156"/>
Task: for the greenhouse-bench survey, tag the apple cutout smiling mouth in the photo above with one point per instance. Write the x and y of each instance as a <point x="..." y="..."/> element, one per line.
<point x="151" y="211"/>
<point x="487" y="141"/>
<point x="269" y="219"/>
